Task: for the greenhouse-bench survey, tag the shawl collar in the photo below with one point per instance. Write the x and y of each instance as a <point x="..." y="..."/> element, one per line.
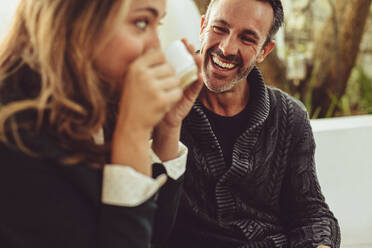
<point x="201" y="130"/>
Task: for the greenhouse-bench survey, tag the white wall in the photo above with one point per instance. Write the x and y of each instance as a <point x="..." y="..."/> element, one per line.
<point x="344" y="165"/>
<point x="182" y="20"/>
<point x="7" y="8"/>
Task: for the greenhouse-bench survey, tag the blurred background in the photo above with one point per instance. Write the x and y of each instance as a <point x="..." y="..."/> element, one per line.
<point x="324" y="55"/>
<point x="7" y="8"/>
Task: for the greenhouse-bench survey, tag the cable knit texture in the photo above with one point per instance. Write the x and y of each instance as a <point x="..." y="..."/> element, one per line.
<point x="270" y="195"/>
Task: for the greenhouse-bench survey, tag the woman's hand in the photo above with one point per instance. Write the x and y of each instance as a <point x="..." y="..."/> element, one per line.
<point x="150" y="89"/>
<point x="167" y="133"/>
<point x="179" y="111"/>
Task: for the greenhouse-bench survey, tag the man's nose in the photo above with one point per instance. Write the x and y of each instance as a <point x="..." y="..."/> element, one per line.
<point x="229" y="46"/>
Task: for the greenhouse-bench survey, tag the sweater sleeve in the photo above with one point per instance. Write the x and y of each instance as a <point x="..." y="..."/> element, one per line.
<point x="309" y="219"/>
<point x="169" y="196"/>
<point x="127" y="226"/>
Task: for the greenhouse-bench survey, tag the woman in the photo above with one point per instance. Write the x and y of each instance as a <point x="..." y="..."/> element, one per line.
<point x="72" y="72"/>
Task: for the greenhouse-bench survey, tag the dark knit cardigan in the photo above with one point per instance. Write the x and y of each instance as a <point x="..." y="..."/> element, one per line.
<point x="269" y="196"/>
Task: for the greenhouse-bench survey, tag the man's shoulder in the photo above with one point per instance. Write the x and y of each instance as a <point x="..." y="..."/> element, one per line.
<point x="289" y="110"/>
<point x="287" y="100"/>
<point x="290" y="113"/>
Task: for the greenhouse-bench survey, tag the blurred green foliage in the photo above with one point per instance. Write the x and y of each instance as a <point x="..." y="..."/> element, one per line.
<point x="357" y="99"/>
<point x="359" y="92"/>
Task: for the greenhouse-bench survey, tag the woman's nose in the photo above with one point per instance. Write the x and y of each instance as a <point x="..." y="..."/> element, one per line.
<point x="153" y="41"/>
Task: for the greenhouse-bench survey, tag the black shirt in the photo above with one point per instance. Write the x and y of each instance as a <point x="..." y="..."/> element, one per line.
<point x="227" y="129"/>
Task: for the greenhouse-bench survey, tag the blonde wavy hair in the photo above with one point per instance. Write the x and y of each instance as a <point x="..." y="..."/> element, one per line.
<point x="48" y="55"/>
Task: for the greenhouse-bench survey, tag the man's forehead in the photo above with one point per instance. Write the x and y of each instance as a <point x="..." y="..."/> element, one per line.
<point x="243" y="14"/>
<point x="231" y="7"/>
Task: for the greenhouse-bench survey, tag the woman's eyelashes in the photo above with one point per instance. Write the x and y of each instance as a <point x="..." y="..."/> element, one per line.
<point x="142" y="24"/>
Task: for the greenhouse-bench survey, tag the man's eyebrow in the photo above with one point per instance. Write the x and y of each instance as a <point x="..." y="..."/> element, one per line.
<point x="223" y="22"/>
<point x="153" y="11"/>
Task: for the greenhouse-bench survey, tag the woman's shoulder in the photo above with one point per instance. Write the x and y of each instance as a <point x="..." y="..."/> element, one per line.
<point x="19" y="167"/>
<point x="32" y="148"/>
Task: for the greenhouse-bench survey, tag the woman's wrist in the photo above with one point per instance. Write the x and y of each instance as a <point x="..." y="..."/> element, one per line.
<point x="131" y="148"/>
<point x="165" y="141"/>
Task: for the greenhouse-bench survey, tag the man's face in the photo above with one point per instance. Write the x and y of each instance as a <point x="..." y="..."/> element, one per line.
<point x="232" y="41"/>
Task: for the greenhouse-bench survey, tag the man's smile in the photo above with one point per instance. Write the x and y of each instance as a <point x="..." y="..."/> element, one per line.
<point x="223" y="65"/>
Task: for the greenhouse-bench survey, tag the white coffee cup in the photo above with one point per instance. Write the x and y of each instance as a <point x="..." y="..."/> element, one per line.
<point x="182" y="61"/>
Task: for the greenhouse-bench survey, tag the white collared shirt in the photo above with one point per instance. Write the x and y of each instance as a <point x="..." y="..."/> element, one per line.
<point x="124" y="186"/>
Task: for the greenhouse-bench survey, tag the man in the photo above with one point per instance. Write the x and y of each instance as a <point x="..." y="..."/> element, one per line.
<point x="250" y="178"/>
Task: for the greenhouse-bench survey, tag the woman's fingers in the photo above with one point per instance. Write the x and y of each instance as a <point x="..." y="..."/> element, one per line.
<point x="167" y="84"/>
<point x="190" y="47"/>
<point x="163" y="71"/>
<point x="152" y="58"/>
<point x="172" y="97"/>
<point x="151" y="88"/>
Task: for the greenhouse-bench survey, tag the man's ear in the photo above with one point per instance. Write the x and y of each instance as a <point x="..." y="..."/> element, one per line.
<point x="265" y="51"/>
<point x="202" y="23"/>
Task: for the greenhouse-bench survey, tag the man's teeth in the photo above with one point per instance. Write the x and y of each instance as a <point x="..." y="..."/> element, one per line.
<point x="222" y="64"/>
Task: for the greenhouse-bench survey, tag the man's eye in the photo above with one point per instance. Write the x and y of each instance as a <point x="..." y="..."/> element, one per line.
<point x="248" y="40"/>
<point x="142" y="24"/>
<point x="219" y="30"/>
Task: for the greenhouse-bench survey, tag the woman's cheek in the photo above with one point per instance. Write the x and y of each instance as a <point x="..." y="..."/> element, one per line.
<point x="130" y="50"/>
<point x="114" y="60"/>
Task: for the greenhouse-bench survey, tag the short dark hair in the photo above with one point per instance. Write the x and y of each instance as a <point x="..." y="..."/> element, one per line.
<point x="277" y="20"/>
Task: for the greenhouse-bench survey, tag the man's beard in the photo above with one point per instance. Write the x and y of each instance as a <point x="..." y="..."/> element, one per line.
<point x="231" y="83"/>
<point x="228" y="85"/>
